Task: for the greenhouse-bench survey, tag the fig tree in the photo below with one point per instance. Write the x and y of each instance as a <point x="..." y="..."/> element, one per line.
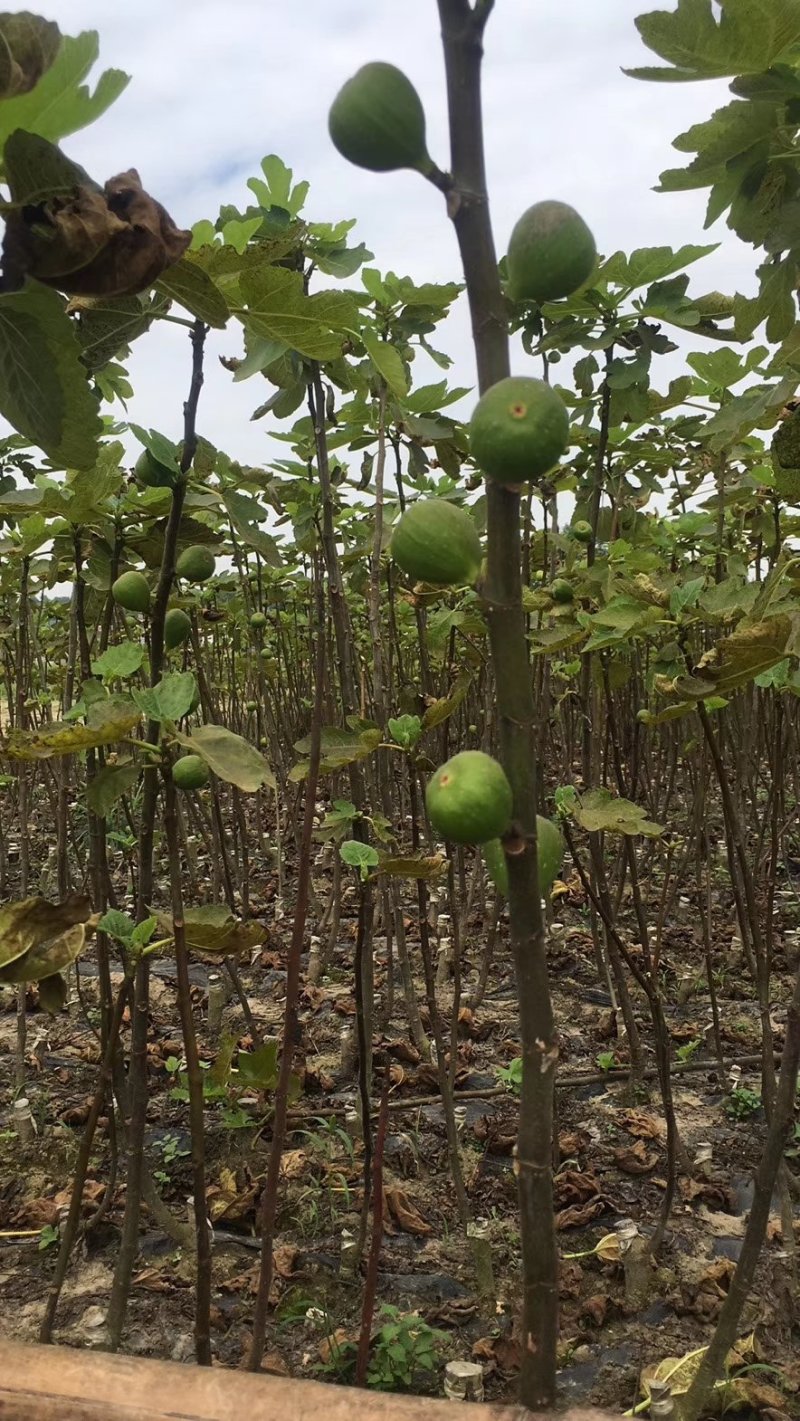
<point x="519" y="430"/>
<point x="469" y="798"/>
<point x="436" y="541"/>
<point x="551" y="253"/>
<point x="377" y="121"/>
<point x="132" y="591"/>
<point x="196" y="564"/>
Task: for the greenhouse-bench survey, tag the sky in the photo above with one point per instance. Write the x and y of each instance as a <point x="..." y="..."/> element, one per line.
<point x="215" y="86"/>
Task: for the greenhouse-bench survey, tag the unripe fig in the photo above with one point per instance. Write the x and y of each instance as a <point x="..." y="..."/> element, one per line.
<point x="196" y="564"/>
<point x="469" y="799"/>
<point x="519" y="430"/>
<point x="581" y="531"/>
<point x="152" y="473"/>
<point x="190" y="772"/>
<point x="551" y="253"/>
<point x="132" y="591"/>
<point x="562" y="591"/>
<point x="377" y="121"/>
<point x="436" y="541"/>
<point x="177" y="628"/>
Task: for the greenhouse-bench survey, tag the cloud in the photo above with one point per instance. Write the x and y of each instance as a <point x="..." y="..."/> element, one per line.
<point x="215" y="86"/>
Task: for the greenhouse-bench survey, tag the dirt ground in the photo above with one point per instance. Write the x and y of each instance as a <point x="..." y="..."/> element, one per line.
<point x="611" y="1167"/>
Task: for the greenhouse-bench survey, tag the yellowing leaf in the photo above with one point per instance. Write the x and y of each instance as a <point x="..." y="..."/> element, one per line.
<point x="108" y="721"/>
<point x="598" y="810"/>
<point x="231" y="758"/>
<point x="29" y="922"/>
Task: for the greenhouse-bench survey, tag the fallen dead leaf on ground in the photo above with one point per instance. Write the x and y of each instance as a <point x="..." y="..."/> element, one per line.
<point x="643" y="1126"/>
<point x="595" y="1309"/>
<point x="580" y="1215"/>
<point x="403" y="1213"/>
<point x="635" y="1159"/>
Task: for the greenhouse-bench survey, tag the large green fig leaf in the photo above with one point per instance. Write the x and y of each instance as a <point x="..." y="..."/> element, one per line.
<point x="109" y="785"/>
<point x="247" y="515"/>
<point x="277" y="306"/>
<point x="748" y="37"/>
<point x="61" y="102"/>
<point x="214" y="931"/>
<point x="187" y="283"/>
<point x="339" y="747"/>
<point x="44" y="390"/>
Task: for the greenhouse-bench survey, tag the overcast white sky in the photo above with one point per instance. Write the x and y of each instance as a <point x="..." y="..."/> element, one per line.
<point x="217" y="84"/>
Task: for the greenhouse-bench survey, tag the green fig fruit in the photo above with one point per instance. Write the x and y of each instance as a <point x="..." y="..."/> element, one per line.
<point x="549" y="857"/>
<point x="469" y="799"/>
<point x="196" y="564"/>
<point x="152" y="473"/>
<point x="132" y="591"/>
<point x="562" y="591"/>
<point x="437" y="542"/>
<point x="190" y="772"/>
<point x="551" y="253"/>
<point x="177" y="628"/>
<point x="519" y="430"/>
<point x="581" y="531"/>
<point x="377" y="121"/>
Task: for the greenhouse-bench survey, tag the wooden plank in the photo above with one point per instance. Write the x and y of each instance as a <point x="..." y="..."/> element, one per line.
<point x="66" y="1384"/>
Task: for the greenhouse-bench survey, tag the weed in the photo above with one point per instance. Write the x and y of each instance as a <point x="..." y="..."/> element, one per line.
<point x="742" y="1103"/>
<point x="511" y="1075"/>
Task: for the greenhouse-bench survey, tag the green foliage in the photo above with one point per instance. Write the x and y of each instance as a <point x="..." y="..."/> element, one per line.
<point x="48" y="1237"/>
<point x="600" y="811"/>
<point x="360" y="856"/>
<point x="170" y="699"/>
<point x="43" y="388"/>
<point x="742" y="1103"/>
<point x="748" y="37"/>
<point x="229" y="756"/>
<point x="403" y="1352"/>
<point x="511" y="1075"/>
<point x="61" y="103"/>
<point x="405" y="730"/>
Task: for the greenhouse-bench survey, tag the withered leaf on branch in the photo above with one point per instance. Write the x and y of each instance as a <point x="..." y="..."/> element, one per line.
<point x="71" y="234"/>
<point x="28" y="47"/>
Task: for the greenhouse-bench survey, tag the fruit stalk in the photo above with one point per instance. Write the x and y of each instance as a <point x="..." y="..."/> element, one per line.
<point x="462" y="32"/>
